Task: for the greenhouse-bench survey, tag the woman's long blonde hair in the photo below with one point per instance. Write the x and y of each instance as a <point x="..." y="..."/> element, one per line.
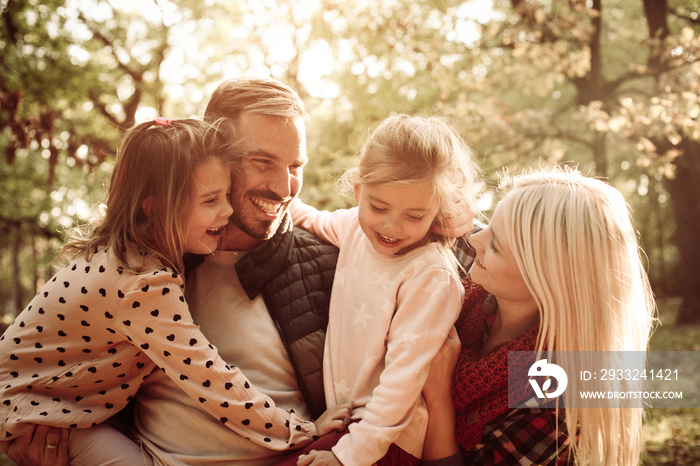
<point x="575" y="246"/>
<point x="155" y="161"/>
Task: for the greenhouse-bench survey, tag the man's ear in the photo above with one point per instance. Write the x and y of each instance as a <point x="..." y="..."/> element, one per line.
<point x="356" y="190"/>
<point x="148" y="206"/>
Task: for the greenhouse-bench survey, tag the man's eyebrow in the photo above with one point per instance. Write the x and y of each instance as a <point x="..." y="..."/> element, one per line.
<point x="270" y="156"/>
<point x="261" y="153"/>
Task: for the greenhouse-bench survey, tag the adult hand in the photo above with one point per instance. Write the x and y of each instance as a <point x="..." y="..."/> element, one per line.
<point x="319" y="458"/>
<point x="438" y="385"/>
<point x="440" y="440"/>
<point x="42" y="446"/>
<point x="458" y="225"/>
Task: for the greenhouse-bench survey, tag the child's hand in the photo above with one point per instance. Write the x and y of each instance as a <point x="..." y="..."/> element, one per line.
<point x="319" y="458"/>
<point x="438" y="386"/>
<point x="336" y="418"/>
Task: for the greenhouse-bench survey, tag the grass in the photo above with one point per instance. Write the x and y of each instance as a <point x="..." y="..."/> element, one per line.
<point x="671" y="436"/>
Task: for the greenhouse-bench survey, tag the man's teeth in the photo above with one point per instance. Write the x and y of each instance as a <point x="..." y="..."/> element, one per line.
<point x="387" y="239"/>
<point x="267" y="207"/>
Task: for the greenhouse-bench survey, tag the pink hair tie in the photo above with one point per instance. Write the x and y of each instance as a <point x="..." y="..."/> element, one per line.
<point x="160" y="121"/>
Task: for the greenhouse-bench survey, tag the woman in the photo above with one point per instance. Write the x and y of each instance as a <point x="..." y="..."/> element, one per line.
<point x="558" y="269"/>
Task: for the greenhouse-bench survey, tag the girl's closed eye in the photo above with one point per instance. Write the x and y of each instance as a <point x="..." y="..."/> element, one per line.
<point x="377" y="209"/>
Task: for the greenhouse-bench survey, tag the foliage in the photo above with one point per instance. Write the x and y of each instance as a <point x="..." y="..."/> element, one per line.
<point x="605" y="85"/>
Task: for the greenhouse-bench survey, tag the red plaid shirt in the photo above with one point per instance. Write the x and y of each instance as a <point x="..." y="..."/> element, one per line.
<point x="522" y="436"/>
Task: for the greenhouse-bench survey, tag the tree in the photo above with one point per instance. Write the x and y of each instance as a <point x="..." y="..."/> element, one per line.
<point x="68" y="90"/>
<point x="599" y="90"/>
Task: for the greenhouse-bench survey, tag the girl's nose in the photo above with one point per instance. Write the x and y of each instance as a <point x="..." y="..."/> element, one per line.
<point x="227" y="209"/>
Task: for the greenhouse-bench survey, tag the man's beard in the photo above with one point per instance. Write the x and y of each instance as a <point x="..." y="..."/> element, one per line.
<point x="256" y="228"/>
<point x="244" y="216"/>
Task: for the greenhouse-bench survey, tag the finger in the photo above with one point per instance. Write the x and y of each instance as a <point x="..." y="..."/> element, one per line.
<point x="53" y="437"/>
<point x="40" y="433"/>
<point x="305" y="460"/>
<point x="337" y="424"/>
<point x="452" y="333"/>
<point x="63" y="443"/>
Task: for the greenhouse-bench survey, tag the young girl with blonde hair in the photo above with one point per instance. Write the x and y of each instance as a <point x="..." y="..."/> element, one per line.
<point x="396" y="291"/>
<point x="80" y="350"/>
<point x="558" y="269"/>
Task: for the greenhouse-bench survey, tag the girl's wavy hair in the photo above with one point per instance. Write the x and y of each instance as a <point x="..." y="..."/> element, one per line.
<point x="405" y="149"/>
<point x="154" y="161"/>
<point x="576" y="248"/>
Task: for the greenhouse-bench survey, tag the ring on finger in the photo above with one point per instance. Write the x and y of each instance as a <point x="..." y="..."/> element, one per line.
<point x="51" y="447"/>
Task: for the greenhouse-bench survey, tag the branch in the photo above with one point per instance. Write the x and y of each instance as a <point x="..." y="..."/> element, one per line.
<point x="136" y="75"/>
<point x="685" y="16"/>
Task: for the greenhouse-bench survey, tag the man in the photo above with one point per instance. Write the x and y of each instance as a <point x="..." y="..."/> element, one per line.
<point x="261" y="299"/>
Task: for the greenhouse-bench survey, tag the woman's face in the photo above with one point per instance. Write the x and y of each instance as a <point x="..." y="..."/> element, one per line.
<point x="494" y="267"/>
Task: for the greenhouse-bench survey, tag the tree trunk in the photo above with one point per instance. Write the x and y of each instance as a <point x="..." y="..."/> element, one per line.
<point x="684" y="190"/>
<point x="16" y="296"/>
<point x="600" y="154"/>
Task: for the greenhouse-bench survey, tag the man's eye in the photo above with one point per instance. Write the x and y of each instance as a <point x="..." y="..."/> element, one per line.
<point x="261" y="164"/>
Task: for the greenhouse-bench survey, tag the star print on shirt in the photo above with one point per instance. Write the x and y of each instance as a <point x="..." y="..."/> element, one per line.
<point x="362" y="315"/>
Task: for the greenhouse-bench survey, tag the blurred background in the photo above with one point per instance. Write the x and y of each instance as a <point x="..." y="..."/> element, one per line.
<point x="610" y="86"/>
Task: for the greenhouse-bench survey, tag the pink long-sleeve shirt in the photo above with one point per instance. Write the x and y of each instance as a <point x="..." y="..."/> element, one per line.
<point x="389" y="315"/>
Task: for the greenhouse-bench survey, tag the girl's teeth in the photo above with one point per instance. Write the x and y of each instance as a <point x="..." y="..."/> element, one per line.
<point x="387" y="239"/>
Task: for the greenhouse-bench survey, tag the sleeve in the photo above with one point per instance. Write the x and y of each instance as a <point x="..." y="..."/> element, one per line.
<point x="523" y="436"/>
<point x="329" y="226"/>
<point x="154" y="317"/>
<point x="427" y="306"/>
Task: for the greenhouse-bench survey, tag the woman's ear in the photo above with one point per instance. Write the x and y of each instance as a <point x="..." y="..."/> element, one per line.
<point x="148" y="206"/>
<point x="356" y="190"/>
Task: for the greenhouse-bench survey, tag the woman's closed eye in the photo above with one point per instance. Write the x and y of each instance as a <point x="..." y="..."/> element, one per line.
<point x="492" y="245"/>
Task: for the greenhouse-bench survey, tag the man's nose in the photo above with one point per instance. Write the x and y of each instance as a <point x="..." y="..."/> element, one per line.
<point x="281" y="183"/>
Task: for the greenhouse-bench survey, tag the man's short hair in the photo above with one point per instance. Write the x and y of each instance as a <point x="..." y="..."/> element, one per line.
<point x="256" y="95"/>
